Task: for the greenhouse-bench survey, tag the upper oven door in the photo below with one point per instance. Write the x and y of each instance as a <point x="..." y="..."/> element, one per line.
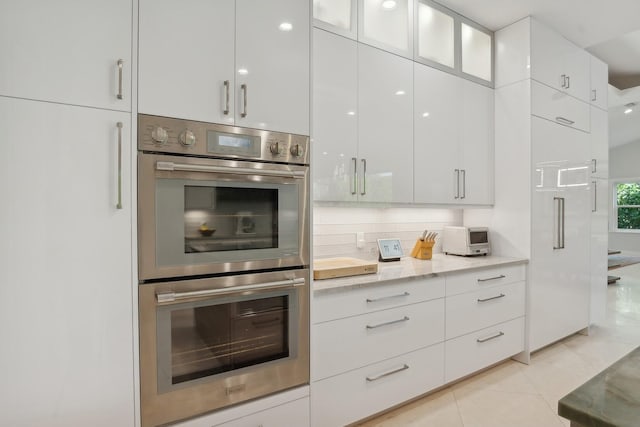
<point x="205" y="216"/>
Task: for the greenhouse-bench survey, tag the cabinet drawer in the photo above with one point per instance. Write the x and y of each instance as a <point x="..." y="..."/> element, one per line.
<point x="349" y="343"/>
<point x="476" y="310"/>
<point x="481" y="279"/>
<point x="477" y="350"/>
<point x="349" y="397"/>
<point x="294" y="413"/>
<point x="559" y="107"/>
<point x="339" y="303"/>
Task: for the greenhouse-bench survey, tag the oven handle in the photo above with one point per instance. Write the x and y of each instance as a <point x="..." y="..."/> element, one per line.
<point x="170" y="166"/>
<point x="167" y="297"/>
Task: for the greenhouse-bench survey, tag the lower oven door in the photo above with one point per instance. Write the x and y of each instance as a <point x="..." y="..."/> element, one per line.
<point x="200" y="216"/>
<point x="209" y="343"/>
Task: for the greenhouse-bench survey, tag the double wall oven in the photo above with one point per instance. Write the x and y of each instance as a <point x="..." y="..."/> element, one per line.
<point x="223" y="235"/>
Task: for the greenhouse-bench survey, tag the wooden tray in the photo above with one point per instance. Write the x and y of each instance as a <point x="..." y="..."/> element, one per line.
<point x="330" y="268"/>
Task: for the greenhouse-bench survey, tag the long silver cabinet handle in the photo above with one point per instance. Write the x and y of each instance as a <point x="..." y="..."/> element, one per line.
<point x="563" y="80"/>
<point x="119" y="203"/>
<point x="120" y="64"/>
<point x="354" y="182"/>
<point x="595" y="196"/>
<point x="364" y="177"/>
<point x="559" y="223"/>
<point x="243" y="87"/>
<point x="568" y="82"/>
<point x="166" y="297"/>
<point x="502" y="276"/>
<point x="464" y="183"/>
<point x="491" y="298"/>
<point x="404" y="294"/>
<point x="564" y="120"/>
<point x="457" y="172"/>
<point x="404" y="367"/>
<point x="595" y="95"/>
<point x="170" y="166"/>
<point x="392" y="322"/>
<point x="492" y="337"/>
<point x="594" y="165"/>
<point x="226" y="97"/>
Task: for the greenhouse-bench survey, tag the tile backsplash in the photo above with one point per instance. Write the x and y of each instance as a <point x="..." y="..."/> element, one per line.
<point x="335" y="228"/>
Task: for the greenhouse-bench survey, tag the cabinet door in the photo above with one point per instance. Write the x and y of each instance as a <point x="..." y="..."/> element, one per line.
<point x="437" y="118"/>
<point x="547" y="50"/>
<point x="387" y="25"/>
<point x="599" y="248"/>
<point x="272" y="65"/>
<point x="476" y="144"/>
<point x="599" y="83"/>
<point x="599" y="143"/>
<point x="66" y="312"/>
<point x="385" y="126"/>
<point x="186" y="55"/>
<point x="66" y="51"/>
<point x="294" y="413"/>
<point x="577" y="66"/>
<point x="335" y="120"/>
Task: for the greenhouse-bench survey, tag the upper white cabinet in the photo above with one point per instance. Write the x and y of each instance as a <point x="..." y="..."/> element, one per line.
<point x="435" y="33"/>
<point x="385" y="127"/>
<point x="338" y="16"/>
<point x="558" y="63"/>
<point x="66" y="312"/>
<point x="599" y="143"/>
<point x="335" y="120"/>
<point x="68" y="52"/>
<point x="260" y="81"/>
<point x="599" y="83"/>
<point x="387" y="24"/>
<point x="453" y="140"/>
<point x="477" y="58"/>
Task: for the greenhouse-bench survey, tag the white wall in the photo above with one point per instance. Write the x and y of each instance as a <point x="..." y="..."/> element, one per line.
<point x="624" y="162"/>
<point x="335" y="228"/>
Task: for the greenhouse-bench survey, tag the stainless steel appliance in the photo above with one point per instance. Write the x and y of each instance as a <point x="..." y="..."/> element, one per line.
<point x="465" y="241"/>
<point x="224" y="199"/>
<point x="223" y="235"/>
<point x="208" y="343"/>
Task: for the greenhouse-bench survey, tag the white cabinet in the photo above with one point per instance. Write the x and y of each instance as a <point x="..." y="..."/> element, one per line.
<point x="559" y="107"/>
<point x="67" y="52"/>
<point x="599" y="84"/>
<point x="335" y="120"/>
<point x="66" y="315"/>
<point x="387" y="25"/>
<point x="558" y="63"/>
<point x="241" y="62"/>
<point x="453" y="139"/>
<point x="385" y="127"/>
<point x="599" y="143"/>
<point x="338" y="16"/>
<point x="294" y="413"/>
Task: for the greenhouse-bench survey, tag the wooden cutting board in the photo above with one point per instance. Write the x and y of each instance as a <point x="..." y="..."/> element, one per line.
<point x="330" y="268"/>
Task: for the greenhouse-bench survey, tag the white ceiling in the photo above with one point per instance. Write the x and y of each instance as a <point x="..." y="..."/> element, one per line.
<point x="610" y="29"/>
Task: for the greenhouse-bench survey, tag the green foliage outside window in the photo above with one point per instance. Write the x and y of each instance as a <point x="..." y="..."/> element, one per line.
<point x="628" y="201"/>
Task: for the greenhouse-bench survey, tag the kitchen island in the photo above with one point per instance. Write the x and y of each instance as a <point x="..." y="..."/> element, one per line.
<point x="610" y="399"/>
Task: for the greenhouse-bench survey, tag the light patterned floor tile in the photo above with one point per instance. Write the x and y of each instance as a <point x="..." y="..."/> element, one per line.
<point x="506" y="377"/>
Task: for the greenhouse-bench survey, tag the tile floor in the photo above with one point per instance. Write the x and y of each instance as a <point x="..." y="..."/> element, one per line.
<point x="516" y="395"/>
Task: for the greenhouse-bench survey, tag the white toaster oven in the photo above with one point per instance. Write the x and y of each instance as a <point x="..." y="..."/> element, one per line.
<point x="466" y="241"/>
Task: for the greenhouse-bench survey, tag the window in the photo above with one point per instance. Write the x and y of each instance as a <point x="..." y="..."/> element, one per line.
<point x="627" y="205"/>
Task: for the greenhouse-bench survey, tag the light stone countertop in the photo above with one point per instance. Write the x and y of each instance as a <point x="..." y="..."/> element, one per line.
<point x="409" y="267"/>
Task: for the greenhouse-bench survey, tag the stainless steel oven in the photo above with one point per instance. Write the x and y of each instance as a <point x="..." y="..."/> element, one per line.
<point x="219" y="199"/>
<point x="212" y="342"/>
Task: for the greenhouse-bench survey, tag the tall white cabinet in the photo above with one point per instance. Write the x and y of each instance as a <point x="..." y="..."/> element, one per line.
<point x="66" y="311"/>
<point x="240" y="62"/>
<point x="544" y="186"/>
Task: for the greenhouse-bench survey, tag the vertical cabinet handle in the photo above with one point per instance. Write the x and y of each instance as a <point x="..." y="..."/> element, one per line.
<point x="594" y="94"/>
<point x="464" y="183"/>
<point x="243" y="87"/>
<point x="568" y="82"/>
<point x="119" y="203"/>
<point x="364" y="177"/>
<point x="595" y="196"/>
<point x="457" y="189"/>
<point x="354" y="181"/>
<point x="559" y="220"/>
<point x="563" y="80"/>
<point x="594" y="165"/>
<point x="226" y="97"/>
<point x="120" y="64"/>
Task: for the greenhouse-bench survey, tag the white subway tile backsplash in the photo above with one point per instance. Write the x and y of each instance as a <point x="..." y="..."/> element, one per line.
<point x="335" y="228"/>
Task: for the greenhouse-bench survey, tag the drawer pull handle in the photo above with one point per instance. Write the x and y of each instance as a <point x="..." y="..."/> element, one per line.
<point x="393" y="322"/>
<point x="404" y="367"/>
<point x="492" y="337"/>
<point x="502" y="276"/>
<point x="404" y="294"/>
<point x="564" y="120"/>
<point x="489" y="299"/>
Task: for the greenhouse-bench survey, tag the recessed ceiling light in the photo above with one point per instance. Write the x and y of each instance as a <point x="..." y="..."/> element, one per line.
<point x="629" y="108"/>
<point x="285" y="26"/>
<point x="389" y="4"/>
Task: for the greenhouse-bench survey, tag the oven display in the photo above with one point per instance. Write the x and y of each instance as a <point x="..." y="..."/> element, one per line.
<point x="229" y="144"/>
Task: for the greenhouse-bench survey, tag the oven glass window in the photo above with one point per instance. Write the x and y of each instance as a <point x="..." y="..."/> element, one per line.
<point x="213" y="339"/>
<point x="218" y="219"/>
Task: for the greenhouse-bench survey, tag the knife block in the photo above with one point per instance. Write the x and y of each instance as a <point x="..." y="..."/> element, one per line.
<point x="423" y="249"/>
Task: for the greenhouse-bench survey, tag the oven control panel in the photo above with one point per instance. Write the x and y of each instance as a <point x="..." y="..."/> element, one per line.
<point x="177" y="136"/>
